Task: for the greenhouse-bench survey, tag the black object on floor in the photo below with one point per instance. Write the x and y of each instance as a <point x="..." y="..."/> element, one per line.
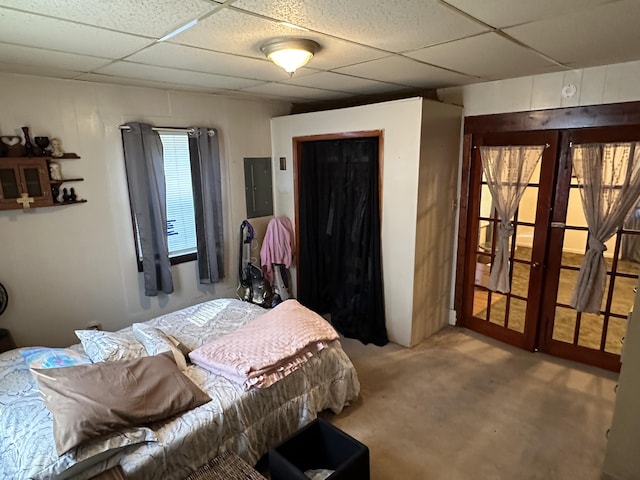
<point x="319" y="445"/>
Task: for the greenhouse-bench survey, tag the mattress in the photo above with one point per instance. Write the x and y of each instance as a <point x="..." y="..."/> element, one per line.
<point x="244" y="422"/>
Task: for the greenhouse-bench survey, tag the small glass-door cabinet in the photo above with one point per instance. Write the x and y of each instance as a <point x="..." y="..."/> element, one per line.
<point x="23" y="175"/>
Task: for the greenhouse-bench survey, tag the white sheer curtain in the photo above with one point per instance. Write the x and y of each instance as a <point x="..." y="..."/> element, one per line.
<point x="609" y="179"/>
<point x="508" y="170"/>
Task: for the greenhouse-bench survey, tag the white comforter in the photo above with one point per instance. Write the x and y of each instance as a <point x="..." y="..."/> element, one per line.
<point x="247" y="423"/>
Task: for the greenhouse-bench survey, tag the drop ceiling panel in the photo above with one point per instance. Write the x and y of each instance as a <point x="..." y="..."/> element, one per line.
<point x="507" y="13"/>
<point x="295" y="93"/>
<point x="607" y="34"/>
<point x="190" y="58"/>
<point x="232" y="32"/>
<point x="170" y="75"/>
<point x="66" y="38"/>
<point x="393" y="25"/>
<point x="48" y="59"/>
<point x="154" y="18"/>
<point x="342" y="83"/>
<point x="488" y="56"/>
<point x="136" y="82"/>
<point x="404" y="71"/>
<point x="37" y="70"/>
<point x="43" y="32"/>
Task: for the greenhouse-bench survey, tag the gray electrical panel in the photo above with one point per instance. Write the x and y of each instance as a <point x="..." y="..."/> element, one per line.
<point x="258" y="187"/>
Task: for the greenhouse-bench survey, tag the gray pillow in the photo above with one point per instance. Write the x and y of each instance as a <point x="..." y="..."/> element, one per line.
<point x="89" y="401"/>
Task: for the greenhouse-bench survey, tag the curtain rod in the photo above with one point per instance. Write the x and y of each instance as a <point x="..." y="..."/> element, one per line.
<point x="168" y="129"/>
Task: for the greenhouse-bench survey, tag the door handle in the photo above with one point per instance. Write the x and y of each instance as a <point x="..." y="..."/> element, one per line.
<point x="535" y="264"/>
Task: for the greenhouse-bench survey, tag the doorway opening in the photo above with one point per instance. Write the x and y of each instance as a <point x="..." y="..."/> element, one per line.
<point x="338" y="204"/>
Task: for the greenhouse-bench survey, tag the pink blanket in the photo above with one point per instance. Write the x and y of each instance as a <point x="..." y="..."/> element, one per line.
<point x="277" y="246"/>
<point x="267" y="348"/>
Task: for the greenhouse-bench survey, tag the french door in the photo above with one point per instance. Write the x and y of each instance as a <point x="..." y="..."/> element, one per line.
<point x="587" y="337"/>
<point x="511" y="317"/>
<point x="546" y="250"/>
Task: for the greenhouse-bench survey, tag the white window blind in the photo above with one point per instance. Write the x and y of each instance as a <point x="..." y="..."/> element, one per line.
<point x="181" y="224"/>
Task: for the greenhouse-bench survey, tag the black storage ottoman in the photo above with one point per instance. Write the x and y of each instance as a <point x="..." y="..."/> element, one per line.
<point x="319" y="445"/>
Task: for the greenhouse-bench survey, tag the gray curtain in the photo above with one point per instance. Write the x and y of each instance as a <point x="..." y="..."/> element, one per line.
<point x="609" y="179"/>
<point x="207" y="199"/>
<point x="508" y="170"/>
<point x="144" y="162"/>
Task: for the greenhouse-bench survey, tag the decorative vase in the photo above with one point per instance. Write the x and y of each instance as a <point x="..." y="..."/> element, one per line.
<point x="28" y="146"/>
<point x="42" y="143"/>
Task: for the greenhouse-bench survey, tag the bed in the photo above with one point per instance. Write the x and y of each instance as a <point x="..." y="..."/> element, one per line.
<point x="244" y="422"/>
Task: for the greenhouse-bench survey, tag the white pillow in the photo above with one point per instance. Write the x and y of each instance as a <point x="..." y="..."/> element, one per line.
<point x="110" y="346"/>
<point x="155" y="341"/>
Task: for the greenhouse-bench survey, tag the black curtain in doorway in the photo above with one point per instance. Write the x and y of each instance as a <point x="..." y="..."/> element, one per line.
<point x="340" y="269"/>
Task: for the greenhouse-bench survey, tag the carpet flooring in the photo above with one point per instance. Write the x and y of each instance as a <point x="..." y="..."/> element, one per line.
<point x="463" y="406"/>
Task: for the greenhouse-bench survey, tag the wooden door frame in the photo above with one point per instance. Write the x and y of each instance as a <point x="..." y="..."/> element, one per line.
<point x="561" y="119"/>
<point x="297" y="160"/>
<point x="527" y="338"/>
<point x="610" y="361"/>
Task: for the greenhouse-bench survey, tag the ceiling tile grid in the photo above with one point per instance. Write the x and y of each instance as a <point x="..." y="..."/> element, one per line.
<point x="392" y="25"/>
<point x="48" y="33"/>
<point x="507" y="13"/>
<point x="407" y="72"/>
<point x="153" y="18"/>
<point x="229" y="31"/>
<point x="367" y="48"/>
<point x="172" y="75"/>
<point x="341" y="83"/>
<point x="299" y="93"/>
<point x="489" y="56"/>
<point x="609" y="33"/>
<point x="31" y="56"/>
<point x="172" y="55"/>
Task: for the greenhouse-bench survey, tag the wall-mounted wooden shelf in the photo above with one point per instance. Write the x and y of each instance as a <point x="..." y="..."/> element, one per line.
<point x="27" y="180"/>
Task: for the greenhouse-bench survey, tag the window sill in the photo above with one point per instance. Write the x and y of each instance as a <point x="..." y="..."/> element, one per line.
<point x="190" y="257"/>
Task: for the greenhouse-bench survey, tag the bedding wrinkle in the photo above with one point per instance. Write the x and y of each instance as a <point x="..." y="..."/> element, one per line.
<point x="247" y="423"/>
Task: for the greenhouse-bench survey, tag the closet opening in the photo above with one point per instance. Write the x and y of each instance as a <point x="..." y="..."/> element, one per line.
<point x="337" y="189"/>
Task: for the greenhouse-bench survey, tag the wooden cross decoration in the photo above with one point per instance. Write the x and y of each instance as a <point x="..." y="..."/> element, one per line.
<point x="25" y="200"/>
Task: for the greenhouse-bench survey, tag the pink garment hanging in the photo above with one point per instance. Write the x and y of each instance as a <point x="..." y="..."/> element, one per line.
<point x="277" y="246"/>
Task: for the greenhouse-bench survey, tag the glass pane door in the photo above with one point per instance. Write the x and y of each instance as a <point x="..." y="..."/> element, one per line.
<point x="32" y="181"/>
<point x="9" y="183"/>
<point x="511" y="316"/>
<point x="594" y="338"/>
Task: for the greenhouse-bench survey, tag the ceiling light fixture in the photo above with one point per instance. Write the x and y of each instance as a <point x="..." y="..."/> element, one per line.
<point x="290" y="53"/>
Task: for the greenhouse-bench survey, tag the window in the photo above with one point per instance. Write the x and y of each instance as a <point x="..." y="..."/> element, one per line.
<point x="179" y="169"/>
<point x="181" y="223"/>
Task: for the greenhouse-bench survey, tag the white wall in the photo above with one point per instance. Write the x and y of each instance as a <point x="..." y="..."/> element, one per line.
<point x="401" y="122"/>
<point x="436" y="221"/>
<point x="597" y="85"/>
<point x="68" y="266"/>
